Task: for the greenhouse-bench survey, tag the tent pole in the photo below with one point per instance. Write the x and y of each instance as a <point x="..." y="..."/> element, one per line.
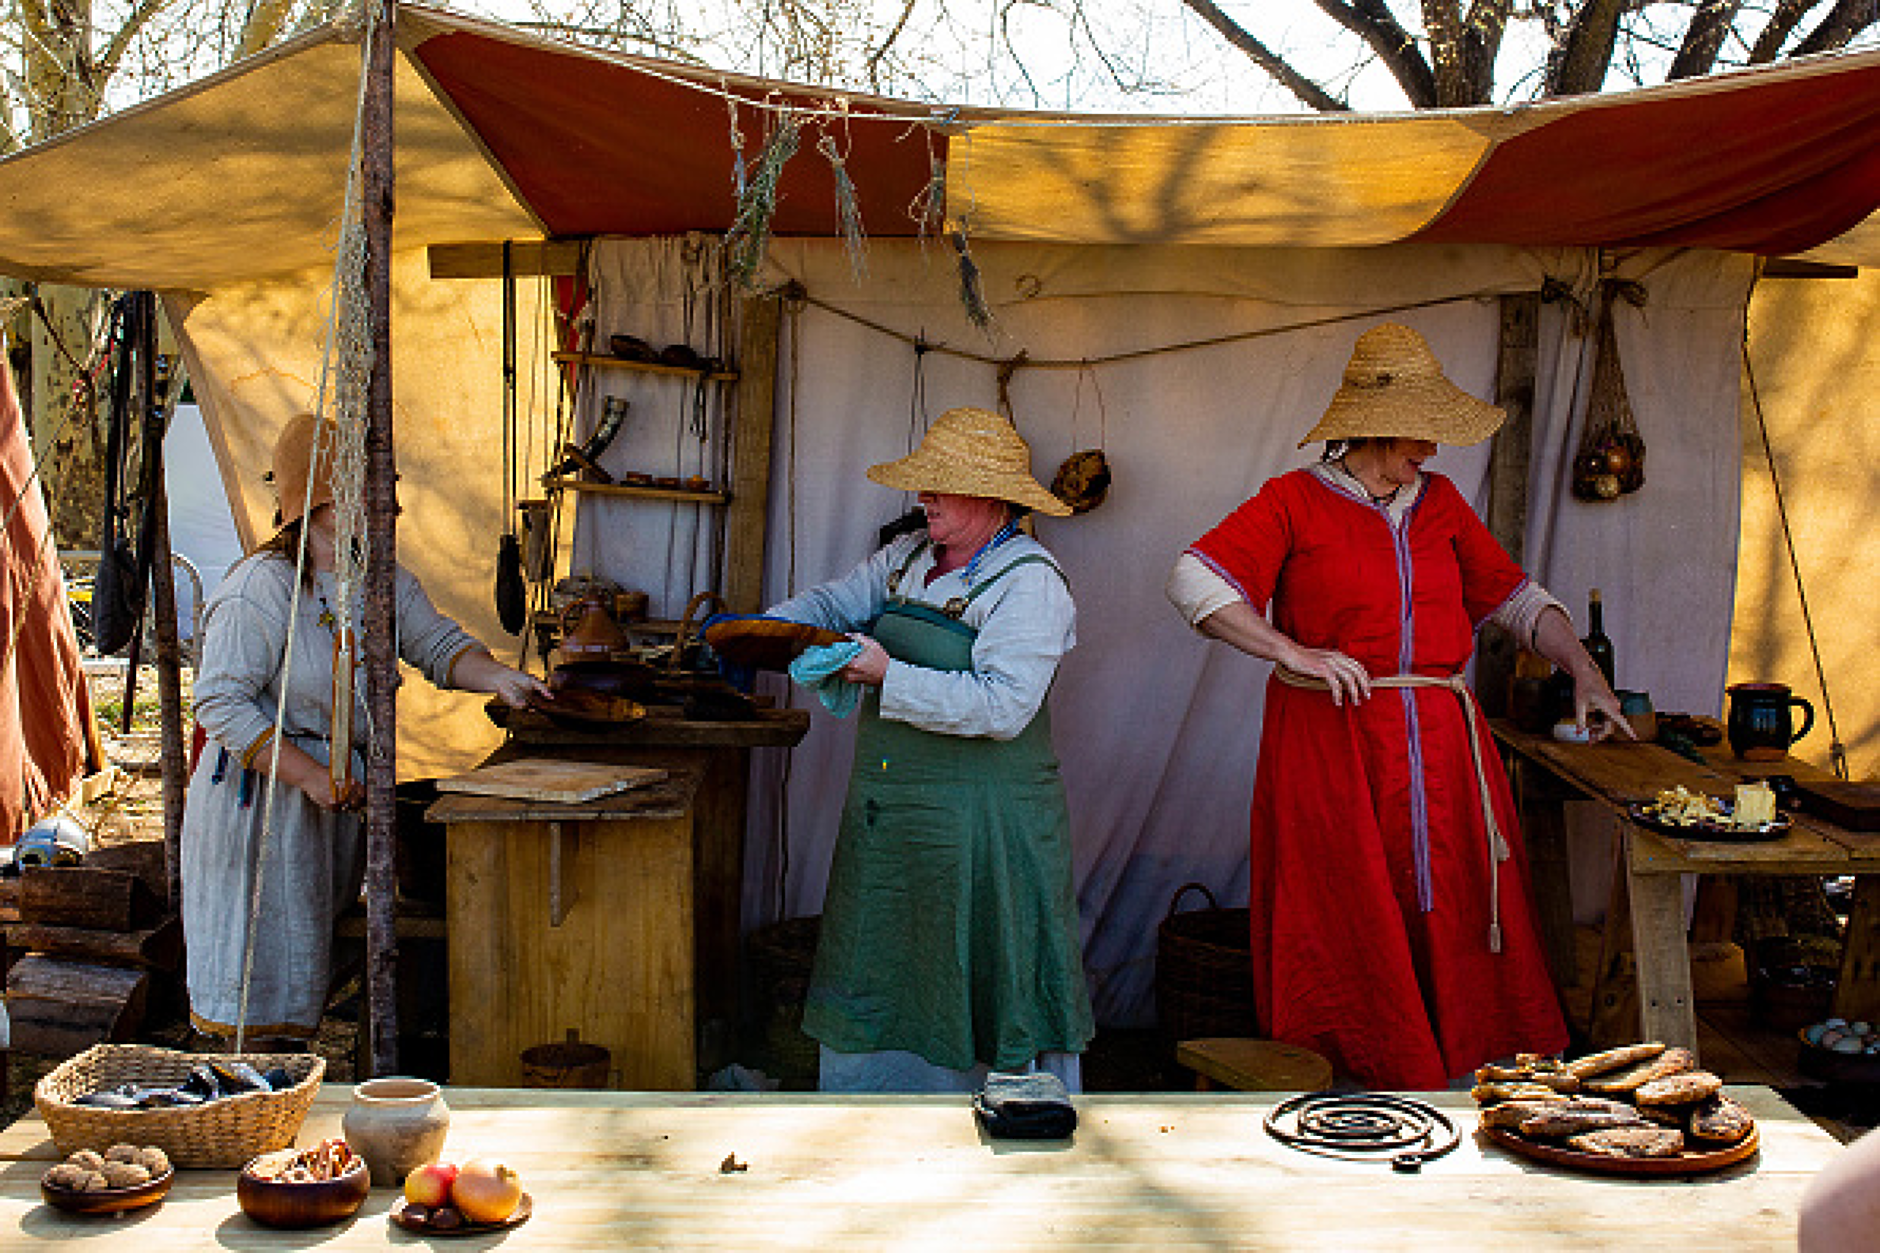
<point x="163" y="602"/>
<point x="1508" y="478"/>
<point x="381" y="547"/>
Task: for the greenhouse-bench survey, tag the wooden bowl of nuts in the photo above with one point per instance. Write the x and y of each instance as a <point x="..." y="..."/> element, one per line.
<point x="297" y="1188"/>
<point x="123" y="1177"/>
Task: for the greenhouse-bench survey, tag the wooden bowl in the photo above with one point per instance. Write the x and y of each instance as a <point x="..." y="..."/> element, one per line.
<point x="274" y="1203"/>
<point x="110" y="1200"/>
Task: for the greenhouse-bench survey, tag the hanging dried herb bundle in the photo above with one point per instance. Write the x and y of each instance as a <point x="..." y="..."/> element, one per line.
<point x="749" y="237"/>
<point x="972" y="292"/>
<point x="1611" y="457"/>
<point x="848" y="211"/>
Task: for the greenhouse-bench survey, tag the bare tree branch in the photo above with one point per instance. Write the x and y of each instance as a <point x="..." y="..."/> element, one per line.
<point x="1710" y="23"/>
<point x="1373" y="21"/>
<point x="1787" y="16"/>
<point x="1844" y="21"/>
<point x="138" y="18"/>
<point x="1264" y="57"/>
<point x="1591" y="36"/>
<point x="887" y="42"/>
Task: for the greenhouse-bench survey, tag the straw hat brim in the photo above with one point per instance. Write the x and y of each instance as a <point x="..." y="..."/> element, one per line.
<point x="937" y="467"/>
<point x="1431" y="408"/>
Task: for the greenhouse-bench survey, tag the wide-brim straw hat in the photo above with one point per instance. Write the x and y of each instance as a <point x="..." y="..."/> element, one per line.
<point x="1394" y="388"/>
<point x="304" y="439"/>
<point x="971" y="452"/>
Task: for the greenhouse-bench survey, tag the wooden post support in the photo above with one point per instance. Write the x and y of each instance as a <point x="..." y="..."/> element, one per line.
<point x="376" y="205"/>
<point x="755" y="417"/>
<point x="169" y="647"/>
<point x="1508" y="478"/>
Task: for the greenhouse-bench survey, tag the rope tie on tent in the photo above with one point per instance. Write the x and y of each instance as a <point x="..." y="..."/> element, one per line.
<point x="345" y="366"/>
<point x="1837" y="751"/>
<point x="795" y="290"/>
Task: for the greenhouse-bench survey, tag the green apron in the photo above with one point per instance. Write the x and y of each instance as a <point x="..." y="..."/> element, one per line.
<point x="950" y="924"/>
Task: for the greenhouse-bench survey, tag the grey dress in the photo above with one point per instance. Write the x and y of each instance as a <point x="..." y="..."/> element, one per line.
<point x="311" y="861"/>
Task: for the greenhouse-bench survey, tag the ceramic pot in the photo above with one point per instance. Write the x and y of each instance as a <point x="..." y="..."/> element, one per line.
<point x="397" y="1125"/>
<point x="1758" y="726"/>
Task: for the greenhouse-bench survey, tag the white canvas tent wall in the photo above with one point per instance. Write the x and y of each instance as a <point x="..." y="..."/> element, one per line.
<point x="223" y="195"/>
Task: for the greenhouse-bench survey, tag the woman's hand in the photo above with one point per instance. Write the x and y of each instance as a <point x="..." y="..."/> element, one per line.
<point x="1345" y="676"/>
<point x="1596" y="709"/>
<point x="514" y="687"/>
<point x="870" y="666"/>
<point x="320" y="791"/>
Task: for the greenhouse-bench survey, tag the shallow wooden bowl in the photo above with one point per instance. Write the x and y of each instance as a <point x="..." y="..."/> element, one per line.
<point x="274" y="1203"/>
<point x="110" y="1200"/>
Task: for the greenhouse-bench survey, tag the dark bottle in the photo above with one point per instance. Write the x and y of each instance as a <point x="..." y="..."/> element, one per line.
<point x="1598" y="647"/>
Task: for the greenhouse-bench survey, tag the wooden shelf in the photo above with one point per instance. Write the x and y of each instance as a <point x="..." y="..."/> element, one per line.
<point x="631" y="489"/>
<point x="647" y="367"/>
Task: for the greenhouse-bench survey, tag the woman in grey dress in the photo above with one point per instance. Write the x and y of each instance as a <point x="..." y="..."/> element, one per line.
<point x="310" y="860"/>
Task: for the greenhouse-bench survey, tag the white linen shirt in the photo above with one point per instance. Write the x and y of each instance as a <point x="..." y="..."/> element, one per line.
<point x="1026" y="622"/>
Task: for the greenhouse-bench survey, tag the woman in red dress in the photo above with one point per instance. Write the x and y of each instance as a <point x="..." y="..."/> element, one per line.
<point x="1392" y="930"/>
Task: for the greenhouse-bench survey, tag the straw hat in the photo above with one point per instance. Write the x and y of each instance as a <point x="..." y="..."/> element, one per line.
<point x="971" y="452"/>
<point x="293" y="461"/>
<point x="1394" y="388"/>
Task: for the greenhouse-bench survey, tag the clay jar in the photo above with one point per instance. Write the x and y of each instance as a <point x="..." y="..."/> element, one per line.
<point x="397" y="1125"/>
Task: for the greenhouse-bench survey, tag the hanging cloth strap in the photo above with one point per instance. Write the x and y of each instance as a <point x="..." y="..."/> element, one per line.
<point x="1497" y="845"/>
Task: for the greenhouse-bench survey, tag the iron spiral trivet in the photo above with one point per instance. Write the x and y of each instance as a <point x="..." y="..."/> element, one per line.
<point x="1364" y="1128"/>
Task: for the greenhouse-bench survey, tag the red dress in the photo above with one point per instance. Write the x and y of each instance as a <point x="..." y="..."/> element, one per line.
<point x="1370" y="865"/>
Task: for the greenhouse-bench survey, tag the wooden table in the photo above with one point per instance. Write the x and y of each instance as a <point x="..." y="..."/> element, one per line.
<point x="1646" y="916"/>
<point x="630" y="1170"/>
<point x="720" y="751"/>
<point x="573" y="917"/>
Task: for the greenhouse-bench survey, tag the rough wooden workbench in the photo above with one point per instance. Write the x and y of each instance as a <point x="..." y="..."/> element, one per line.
<point x="1647" y="891"/>
<point x="611" y="1170"/>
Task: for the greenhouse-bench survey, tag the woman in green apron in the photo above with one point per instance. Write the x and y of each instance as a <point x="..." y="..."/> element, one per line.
<point x="950" y="940"/>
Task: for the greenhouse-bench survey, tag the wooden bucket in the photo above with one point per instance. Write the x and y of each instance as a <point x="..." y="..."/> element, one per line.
<point x="570" y="1063"/>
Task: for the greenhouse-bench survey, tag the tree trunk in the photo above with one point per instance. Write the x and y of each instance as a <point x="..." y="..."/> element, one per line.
<point x="67" y="428"/>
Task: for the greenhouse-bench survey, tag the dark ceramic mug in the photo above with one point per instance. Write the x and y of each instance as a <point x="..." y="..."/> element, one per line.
<point x="1759" y="727"/>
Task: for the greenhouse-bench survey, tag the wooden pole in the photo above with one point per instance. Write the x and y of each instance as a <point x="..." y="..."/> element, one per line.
<point x="381" y="546"/>
<point x="1508" y="477"/>
<point x="163" y="601"/>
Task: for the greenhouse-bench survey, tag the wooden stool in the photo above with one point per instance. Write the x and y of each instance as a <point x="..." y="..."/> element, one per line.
<point x="1253" y="1065"/>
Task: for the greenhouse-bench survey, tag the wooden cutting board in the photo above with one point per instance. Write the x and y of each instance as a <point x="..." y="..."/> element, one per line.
<point x="1855" y="806"/>
<point x="548" y="779"/>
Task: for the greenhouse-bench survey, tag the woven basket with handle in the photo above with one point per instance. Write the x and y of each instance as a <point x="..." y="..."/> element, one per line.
<point x="1204" y="970"/>
<point x="227" y="1131"/>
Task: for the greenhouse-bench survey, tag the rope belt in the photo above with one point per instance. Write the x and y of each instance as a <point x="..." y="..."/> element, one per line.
<point x="1497" y="845"/>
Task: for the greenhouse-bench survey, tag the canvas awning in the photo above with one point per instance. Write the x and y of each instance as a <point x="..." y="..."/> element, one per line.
<point x="502" y="134"/>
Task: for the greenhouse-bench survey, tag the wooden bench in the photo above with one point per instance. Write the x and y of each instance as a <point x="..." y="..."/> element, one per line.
<point x="1247" y="1065"/>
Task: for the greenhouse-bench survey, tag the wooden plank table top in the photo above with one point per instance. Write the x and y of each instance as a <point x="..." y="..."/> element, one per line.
<point x="671" y="797"/>
<point x="629" y="1170"/>
<point x="1649" y="894"/>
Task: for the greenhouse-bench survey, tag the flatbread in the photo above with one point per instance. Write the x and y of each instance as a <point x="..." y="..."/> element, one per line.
<point x="766" y="643"/>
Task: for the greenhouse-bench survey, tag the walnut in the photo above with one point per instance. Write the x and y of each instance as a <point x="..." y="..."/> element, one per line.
<point x="121" y="1153"/>
<point x="125" y="1174"/>
<point x="86" y="1159"/>
<point x="95" y="1182"/>
<point x="154" y="1160"/>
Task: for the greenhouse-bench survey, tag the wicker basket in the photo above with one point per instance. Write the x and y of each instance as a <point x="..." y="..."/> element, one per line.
<point x="223" y="1132"/>
<point x="782" y="956"/>
<point x="1204" y="971"/>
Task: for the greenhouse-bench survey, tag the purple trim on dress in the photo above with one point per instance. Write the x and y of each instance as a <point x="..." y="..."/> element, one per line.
<point x="1516" y="591"/>
<point x="1413" y="728"/>
<point x="1215" y="566"/>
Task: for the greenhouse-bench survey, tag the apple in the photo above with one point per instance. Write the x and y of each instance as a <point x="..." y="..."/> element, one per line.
<point x="486" y="1190"/>
<point x="430" y="1184"/>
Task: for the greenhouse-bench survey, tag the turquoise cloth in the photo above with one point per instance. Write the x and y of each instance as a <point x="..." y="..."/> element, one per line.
<point x="816" y="668"/>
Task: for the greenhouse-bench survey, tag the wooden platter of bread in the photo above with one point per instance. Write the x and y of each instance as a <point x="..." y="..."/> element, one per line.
<point x="1641" y="1109"/>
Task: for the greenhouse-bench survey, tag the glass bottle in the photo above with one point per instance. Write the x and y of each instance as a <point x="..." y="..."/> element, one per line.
<point x="1598" y="646"/>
